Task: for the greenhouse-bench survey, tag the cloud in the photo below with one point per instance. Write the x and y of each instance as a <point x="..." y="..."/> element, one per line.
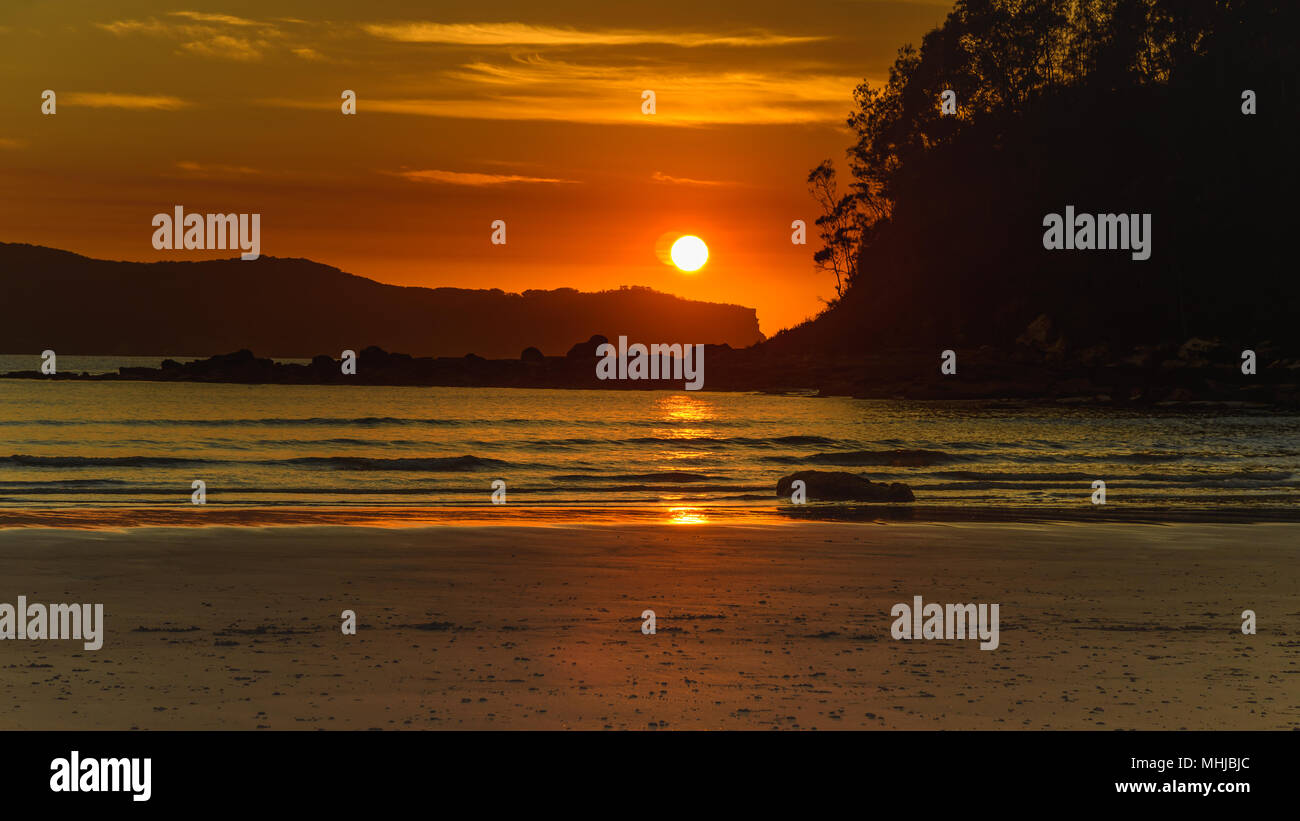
<point x="109" y="99"/>
<point x="227" y="48"/>
<point x="307" y="53"/>
<point x="208" y="170"/>
<point x="464" y="178"/>
<point x="659" y="176"/>
<point x="219" y="36"/>
<point x="534" y="87"/>
<point x="225" y="19"/>
<point x="10" y="142"/>
<point x="531" y="87"/>
<point x="528" y="34"/>
<point x="120" y="27"/>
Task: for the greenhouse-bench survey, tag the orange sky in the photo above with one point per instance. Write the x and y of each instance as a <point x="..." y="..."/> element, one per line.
<point x="467" y="113"/>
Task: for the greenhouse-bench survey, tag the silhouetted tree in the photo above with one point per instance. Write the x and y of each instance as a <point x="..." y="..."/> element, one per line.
<point x="840" y="227"/>
<point x="1126" y="106"/>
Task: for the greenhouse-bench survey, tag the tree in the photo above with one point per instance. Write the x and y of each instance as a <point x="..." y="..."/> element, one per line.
<point x="1129" y="105"/>
<point x="840" y="226"/>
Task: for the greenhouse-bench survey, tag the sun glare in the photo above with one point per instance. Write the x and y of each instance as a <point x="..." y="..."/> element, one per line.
<point x="687" y="516"/>
<point x="690" y="253"/>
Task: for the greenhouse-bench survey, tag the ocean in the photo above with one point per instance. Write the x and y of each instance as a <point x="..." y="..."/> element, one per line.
<point x="141" y="444"/>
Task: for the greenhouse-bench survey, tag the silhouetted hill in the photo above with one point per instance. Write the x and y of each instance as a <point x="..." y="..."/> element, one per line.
<point x="299" y="308"/>
<point x="1120" y="107"/>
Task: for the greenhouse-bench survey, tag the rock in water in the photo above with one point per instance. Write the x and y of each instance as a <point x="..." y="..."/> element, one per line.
<point x="838" y="486"/>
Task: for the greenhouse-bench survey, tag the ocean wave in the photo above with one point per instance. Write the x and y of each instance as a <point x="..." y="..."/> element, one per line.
<point x="1174" y="478"/>
<point x="1105" y="458"/>
<point x="1144" y="458"/>
<point x="313" y="421"/>
<point x="24" y="460"/>
<point x="310" y="421"/>
<point x="679" y="491"/>
<point x="433" y="464"/>
<point x="339" y="440"/>
<point x="741" y="441"/>
<point x="363" y="421"/>
<point x="866" y="458"/>
<point x="675" y="476"/>
<point x="372" y="490"/>
<point x="59" y="484"/>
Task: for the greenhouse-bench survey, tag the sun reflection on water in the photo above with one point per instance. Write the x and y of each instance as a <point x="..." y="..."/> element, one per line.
<point x="684" y="414"/>
<point x="687" y="516"/>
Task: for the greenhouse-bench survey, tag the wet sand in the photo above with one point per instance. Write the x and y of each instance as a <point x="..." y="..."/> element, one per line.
<point x="774" y="625"/>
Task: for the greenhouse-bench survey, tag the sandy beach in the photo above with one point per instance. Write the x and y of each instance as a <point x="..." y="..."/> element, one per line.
<point x="783" y="625"/>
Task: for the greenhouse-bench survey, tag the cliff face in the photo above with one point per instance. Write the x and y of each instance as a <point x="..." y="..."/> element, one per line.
<point x="298" y="308"/>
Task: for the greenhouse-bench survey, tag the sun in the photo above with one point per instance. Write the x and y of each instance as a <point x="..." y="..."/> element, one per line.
<point x="689" y="253"/>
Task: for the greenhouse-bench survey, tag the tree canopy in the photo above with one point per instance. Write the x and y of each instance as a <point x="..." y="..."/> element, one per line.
<point x="1112" y="106"/>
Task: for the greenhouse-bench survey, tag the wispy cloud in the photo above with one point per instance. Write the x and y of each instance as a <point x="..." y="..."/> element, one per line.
<point x="470" y="178"/>
<point x="536" y="88"/>
<point x="10" y="142"/>
<point x="224" y="19"/>
<point x="528" y="34"/>
<point x="227" y="48"/>
<point x="220" y="36"/>
<point x="659" y="176"/>
<point x="110" y="99"/>
<point x="120" y="27"/>
<point x="209" y="169"/>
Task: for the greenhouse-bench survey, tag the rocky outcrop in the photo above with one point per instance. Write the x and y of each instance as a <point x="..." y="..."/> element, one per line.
<point x="586" y="351"/>
<point x="1043" y="339"/>
<point x="837" y="486"/>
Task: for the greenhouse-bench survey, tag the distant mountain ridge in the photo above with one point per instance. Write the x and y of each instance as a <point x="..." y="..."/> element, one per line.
<point x="299" y="308"/>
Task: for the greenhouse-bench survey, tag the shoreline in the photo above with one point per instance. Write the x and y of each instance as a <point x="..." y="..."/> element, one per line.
<point x="1159" y="376"/>
<point x="683" y="514"/>
<point x="1095" y="397"/>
